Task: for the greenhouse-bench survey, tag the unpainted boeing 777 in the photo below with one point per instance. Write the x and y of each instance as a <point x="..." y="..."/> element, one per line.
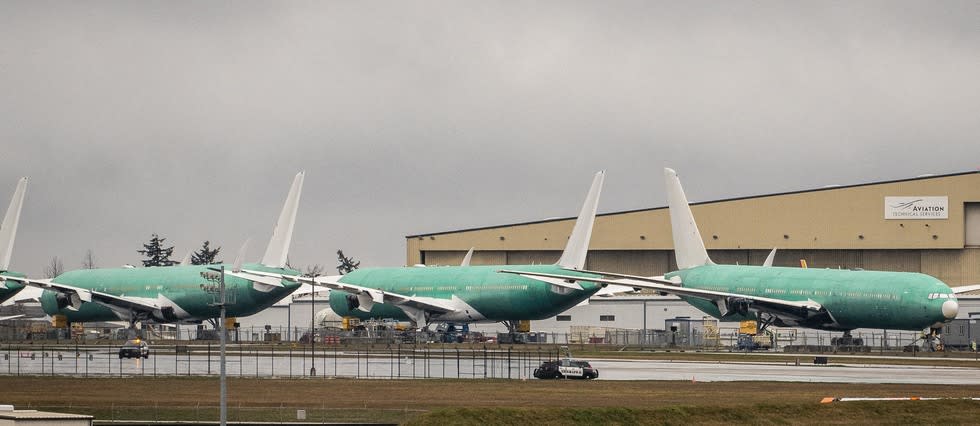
<point x="825" y="299"/>
<point x="172" y="294"/>
<point x="465" y="294"/>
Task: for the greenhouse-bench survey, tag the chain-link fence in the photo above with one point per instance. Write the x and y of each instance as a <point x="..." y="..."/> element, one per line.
<point x="270" y="361"/>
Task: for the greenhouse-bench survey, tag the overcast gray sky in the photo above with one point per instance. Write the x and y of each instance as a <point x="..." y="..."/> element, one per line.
<point x="189" y="119"/>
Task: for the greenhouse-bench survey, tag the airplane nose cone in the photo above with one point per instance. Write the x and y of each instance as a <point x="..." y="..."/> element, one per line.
<point x="950" y="309"/>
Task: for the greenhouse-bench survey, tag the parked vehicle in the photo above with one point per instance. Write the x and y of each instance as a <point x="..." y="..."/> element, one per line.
<point x="566" y="368"/>
<point x="135" y="348"/>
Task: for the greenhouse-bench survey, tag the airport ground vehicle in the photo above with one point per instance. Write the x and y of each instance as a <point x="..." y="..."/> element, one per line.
<point x="135" y="348"/>
<point x="566" y="368"/>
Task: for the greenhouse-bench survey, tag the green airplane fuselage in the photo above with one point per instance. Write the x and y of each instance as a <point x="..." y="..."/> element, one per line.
<point x="480" y="293"/>
<point x="9" y="288"/>
<point x="853" y="298"/>
<point x="182" y="287"/>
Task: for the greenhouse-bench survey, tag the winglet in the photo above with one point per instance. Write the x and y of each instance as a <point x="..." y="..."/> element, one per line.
<point x="8" y="229"/>
<point x="688" y="245"/>
<point x="282" y="234"/>
<point x="578" y="243"/>
<point x="770" y="258"/>
<point x="187" y="258"/>
<point x="467" y="258"/>
<point x="240" y="258"/>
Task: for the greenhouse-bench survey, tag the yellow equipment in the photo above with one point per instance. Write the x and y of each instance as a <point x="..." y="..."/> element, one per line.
<point x="748" y="327"/>
<point x="59" y="321"/>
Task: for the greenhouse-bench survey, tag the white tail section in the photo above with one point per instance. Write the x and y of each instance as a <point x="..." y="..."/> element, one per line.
<point x="688" y="245"/>
<point x="770" y="258"/>
<point x="240" y="258"/>
<point x="8" y="229"/>
<point x="578" y="243"/>
<point x="282" y="234"/>
<point x="467" y="258"/>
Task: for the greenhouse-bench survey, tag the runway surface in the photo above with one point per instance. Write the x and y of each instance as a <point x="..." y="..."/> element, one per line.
<point x="105" y="362"/>
<point x="783" y="372"/>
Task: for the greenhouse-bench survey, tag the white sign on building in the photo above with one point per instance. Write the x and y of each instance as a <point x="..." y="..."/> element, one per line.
<point x="916" y="207"/>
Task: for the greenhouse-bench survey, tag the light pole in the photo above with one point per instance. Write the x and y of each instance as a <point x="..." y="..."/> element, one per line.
<point x="218" y="275"/>
<point x="313" y="327"/>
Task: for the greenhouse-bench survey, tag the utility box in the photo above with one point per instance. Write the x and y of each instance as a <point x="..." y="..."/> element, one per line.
<point x="524" y="326"/>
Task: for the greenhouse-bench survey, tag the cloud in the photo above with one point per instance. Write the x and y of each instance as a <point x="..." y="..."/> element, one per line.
<point x="189" y="119"/>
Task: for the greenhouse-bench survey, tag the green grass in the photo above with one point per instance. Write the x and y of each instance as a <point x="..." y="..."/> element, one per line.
<point x="951" y="412"/>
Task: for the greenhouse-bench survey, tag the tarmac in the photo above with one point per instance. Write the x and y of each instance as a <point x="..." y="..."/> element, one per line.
<point x="840" y="369"/>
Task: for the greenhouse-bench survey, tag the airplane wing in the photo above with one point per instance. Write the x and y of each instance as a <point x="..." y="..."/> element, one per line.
<point x="77" y="295"/>
<point x="724" y="300"/>
<point x="965" y="289"/>
<point x="367" y="296"/>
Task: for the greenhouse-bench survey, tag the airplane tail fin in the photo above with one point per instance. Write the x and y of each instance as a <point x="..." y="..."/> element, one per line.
<point x="8" y="229"/>
<point x="282" y="234"/>
<point x="688" y="245"/>
<point x="578" y="243"/>
<point x="467" y="258"/>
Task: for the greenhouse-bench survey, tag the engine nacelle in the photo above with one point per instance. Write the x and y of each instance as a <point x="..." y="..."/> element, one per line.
<point x="739" y="306"/>
<point x="69" y="301"/>
<point x="365" y="302"/>
<point x="165" y="314"/>
<point x="352" y="302"/>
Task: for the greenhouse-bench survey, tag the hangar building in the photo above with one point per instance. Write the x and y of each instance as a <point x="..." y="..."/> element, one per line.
<point x="928" y="224"/>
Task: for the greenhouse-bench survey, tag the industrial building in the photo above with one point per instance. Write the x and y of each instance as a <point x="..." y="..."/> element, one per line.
<point x="928" y="224"/>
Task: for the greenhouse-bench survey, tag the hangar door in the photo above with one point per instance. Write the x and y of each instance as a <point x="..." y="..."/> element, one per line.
<point x="973" y="224"/>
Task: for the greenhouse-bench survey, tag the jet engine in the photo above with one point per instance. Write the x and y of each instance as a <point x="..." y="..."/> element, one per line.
<point x="352" y="302"/>
<point x="165" y="314"/>
<point x="739" y="306"/>
<point x="70" y="301"/>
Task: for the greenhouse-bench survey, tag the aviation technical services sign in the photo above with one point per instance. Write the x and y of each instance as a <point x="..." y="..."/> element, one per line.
<point x="916" y="207"/>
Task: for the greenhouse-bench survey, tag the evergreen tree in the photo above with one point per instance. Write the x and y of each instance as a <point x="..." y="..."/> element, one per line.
<point x="206" y="255"/>
<point x="156" y="254"/>
<point x="347" y="264"/>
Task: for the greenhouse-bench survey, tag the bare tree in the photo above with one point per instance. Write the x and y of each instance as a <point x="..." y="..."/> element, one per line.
<point x="55" y="268"/>
<point x="313" y="271"/>
<point x="88" y="262"/>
